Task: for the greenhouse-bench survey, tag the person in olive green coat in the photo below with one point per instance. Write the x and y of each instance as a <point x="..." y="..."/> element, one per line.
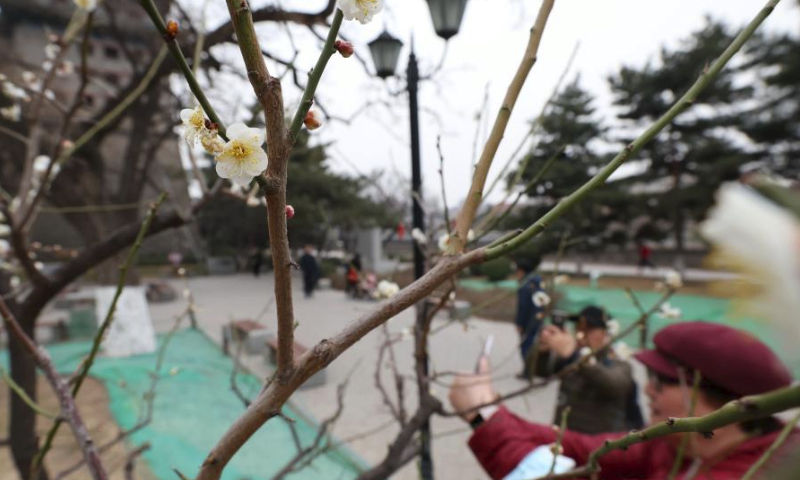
<point x="602" y="394"/>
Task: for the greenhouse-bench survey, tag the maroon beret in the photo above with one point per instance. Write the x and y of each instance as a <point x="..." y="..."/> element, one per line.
<point x="727" y="358"/>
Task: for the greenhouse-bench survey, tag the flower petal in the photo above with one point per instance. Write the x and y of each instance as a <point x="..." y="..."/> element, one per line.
<point x="242" y="178"/>
<point x="255" y="163"/>
<point x="227" y="169"/>
<point x="237" y="130"/>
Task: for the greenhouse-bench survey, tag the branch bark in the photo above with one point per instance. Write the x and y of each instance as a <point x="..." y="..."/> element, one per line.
<point x="475" y="195"/>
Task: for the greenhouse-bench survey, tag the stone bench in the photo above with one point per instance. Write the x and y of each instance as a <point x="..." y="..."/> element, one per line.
<point x="250" y="332"/>
<point x="272" y="358"/>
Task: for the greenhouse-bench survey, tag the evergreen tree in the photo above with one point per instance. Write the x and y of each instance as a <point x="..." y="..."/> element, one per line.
<point x="570" y="133"/>
<point x="703" y="147"/>
<point x="775" y="122"/>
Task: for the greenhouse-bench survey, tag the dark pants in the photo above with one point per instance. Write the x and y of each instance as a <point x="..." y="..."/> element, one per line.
<point x="309" y="283"/>
<point x="526" y="344"/>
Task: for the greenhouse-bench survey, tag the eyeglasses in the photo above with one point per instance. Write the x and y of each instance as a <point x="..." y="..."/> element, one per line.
<point x="659" y="381"/>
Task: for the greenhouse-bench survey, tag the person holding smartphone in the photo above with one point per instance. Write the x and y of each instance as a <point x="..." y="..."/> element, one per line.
<point x="602" y="396"/>
<point x="731" y="363"/>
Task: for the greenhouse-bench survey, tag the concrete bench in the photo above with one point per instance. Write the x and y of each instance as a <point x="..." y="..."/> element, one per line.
<point x="272" y="358"/>
<point x="250" y="332"/>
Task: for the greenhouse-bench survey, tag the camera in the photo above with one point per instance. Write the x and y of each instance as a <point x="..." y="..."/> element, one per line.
<point x="560" y="319"/>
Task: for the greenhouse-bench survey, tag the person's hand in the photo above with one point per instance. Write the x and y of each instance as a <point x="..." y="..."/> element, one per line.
<point x="472" y="390"/>
<point x="559" y="341"/>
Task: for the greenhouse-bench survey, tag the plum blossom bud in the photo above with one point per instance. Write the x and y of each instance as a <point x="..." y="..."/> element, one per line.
<point x="419" y="237"/>
<point x="673" y="279"/>
<point x="312" y="121"/>
<point x="344" y="48"/>
<point x="289" y="212"/>
<point x="172" y="29"/>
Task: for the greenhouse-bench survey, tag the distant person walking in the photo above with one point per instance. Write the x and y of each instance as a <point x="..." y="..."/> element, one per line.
<point x="311" y="270"/>
<point x="645" y="252"/>
<point x="352" y="276"/>
<point x="528" y="315"/>
<point x="256" y="261"/>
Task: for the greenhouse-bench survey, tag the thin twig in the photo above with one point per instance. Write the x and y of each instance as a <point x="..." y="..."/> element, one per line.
<point x="475" y="195"/>
<point x="89" y="361"/>
<point x="130" y="462"/>
<point x="441" y="177"/>
<point x="772" y="448"/>
<point x="678" y="463"/>
<point x="149" y="398"/>
<point x="24" y="396"/>
<point x="557" y="446"/>
<point x="325" y="54"/>
<point x="175" y="49"/>
<point x="634" y="147"/>
<point x="69" y="411"/>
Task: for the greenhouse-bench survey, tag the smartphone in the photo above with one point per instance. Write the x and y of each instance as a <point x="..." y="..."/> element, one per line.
<point x="487" y="350"/>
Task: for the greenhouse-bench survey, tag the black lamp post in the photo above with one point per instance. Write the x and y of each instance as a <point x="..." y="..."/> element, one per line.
<point x="446" y="16"/>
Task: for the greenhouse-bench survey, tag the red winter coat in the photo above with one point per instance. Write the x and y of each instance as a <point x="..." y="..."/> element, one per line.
<point x="501" y="442"/>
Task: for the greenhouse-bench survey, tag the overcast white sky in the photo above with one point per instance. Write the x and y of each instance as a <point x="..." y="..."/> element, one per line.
<point x="486" y="52"/>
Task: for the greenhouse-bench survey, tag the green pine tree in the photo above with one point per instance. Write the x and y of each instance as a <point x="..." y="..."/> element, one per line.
<point x="685" y="163"/>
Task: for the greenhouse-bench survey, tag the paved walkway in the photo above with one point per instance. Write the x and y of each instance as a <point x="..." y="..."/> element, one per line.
<point x="453" y="348"/>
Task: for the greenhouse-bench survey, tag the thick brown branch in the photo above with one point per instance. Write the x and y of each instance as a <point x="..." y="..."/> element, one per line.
<point x="272" y="398"/>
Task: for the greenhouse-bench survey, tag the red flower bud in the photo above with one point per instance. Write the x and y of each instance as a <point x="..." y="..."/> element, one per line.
<point x="172" y="29"/>
<point x="311" y="121"/>
<point x="344" y="48"/>
<point x="289" y="212"/>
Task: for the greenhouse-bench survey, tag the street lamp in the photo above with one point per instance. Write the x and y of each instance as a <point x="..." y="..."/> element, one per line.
<point x="446" y="16"/>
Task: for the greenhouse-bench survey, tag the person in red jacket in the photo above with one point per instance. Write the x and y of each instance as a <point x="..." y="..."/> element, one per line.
<point x="732" y="364"/>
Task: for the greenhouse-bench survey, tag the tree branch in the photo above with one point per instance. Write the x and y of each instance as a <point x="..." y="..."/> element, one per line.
<point x="98" y="338"/>
<point x="634" y="147"/>
<point x="475" y="195"/>
<point x="68" y="409"/>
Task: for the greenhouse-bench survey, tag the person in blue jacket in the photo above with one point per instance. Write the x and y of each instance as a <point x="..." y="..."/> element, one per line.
<point x="528" y="317"/>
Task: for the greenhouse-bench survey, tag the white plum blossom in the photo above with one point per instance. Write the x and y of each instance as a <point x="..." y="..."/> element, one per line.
<point x="12" y="113"/>
<point x="541" y="299"/>
<point x="612" y="327"/>
<point x="561" y="279"/>
<point x="87" y="5"/>
<point x="242" y="158"/>
<point x="659" y="286"/>
<point x="30" y="79"/>
<point x="669" y="312"/>
<point x="40" y="163"/>
<point x="5" y="230"/>
<point x="253" y="201"/>
<point x="419" y="237"/>
<point x="51" y="51"/>
<point x="585" y="352"/>
<point x="195" y="124"/>
<point x="444" y="239"/>
<point x="14" y="92"/>
<point x="386" y="289"/>
<point x="361" y="10"/>
<point x="622" y="351"/>
<point x="760" y="240"/>
<point x="14" y="282"/>
<point x="66" y="68"/>
<point x="5" y="247"/>
<point x="673" y="279"/>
